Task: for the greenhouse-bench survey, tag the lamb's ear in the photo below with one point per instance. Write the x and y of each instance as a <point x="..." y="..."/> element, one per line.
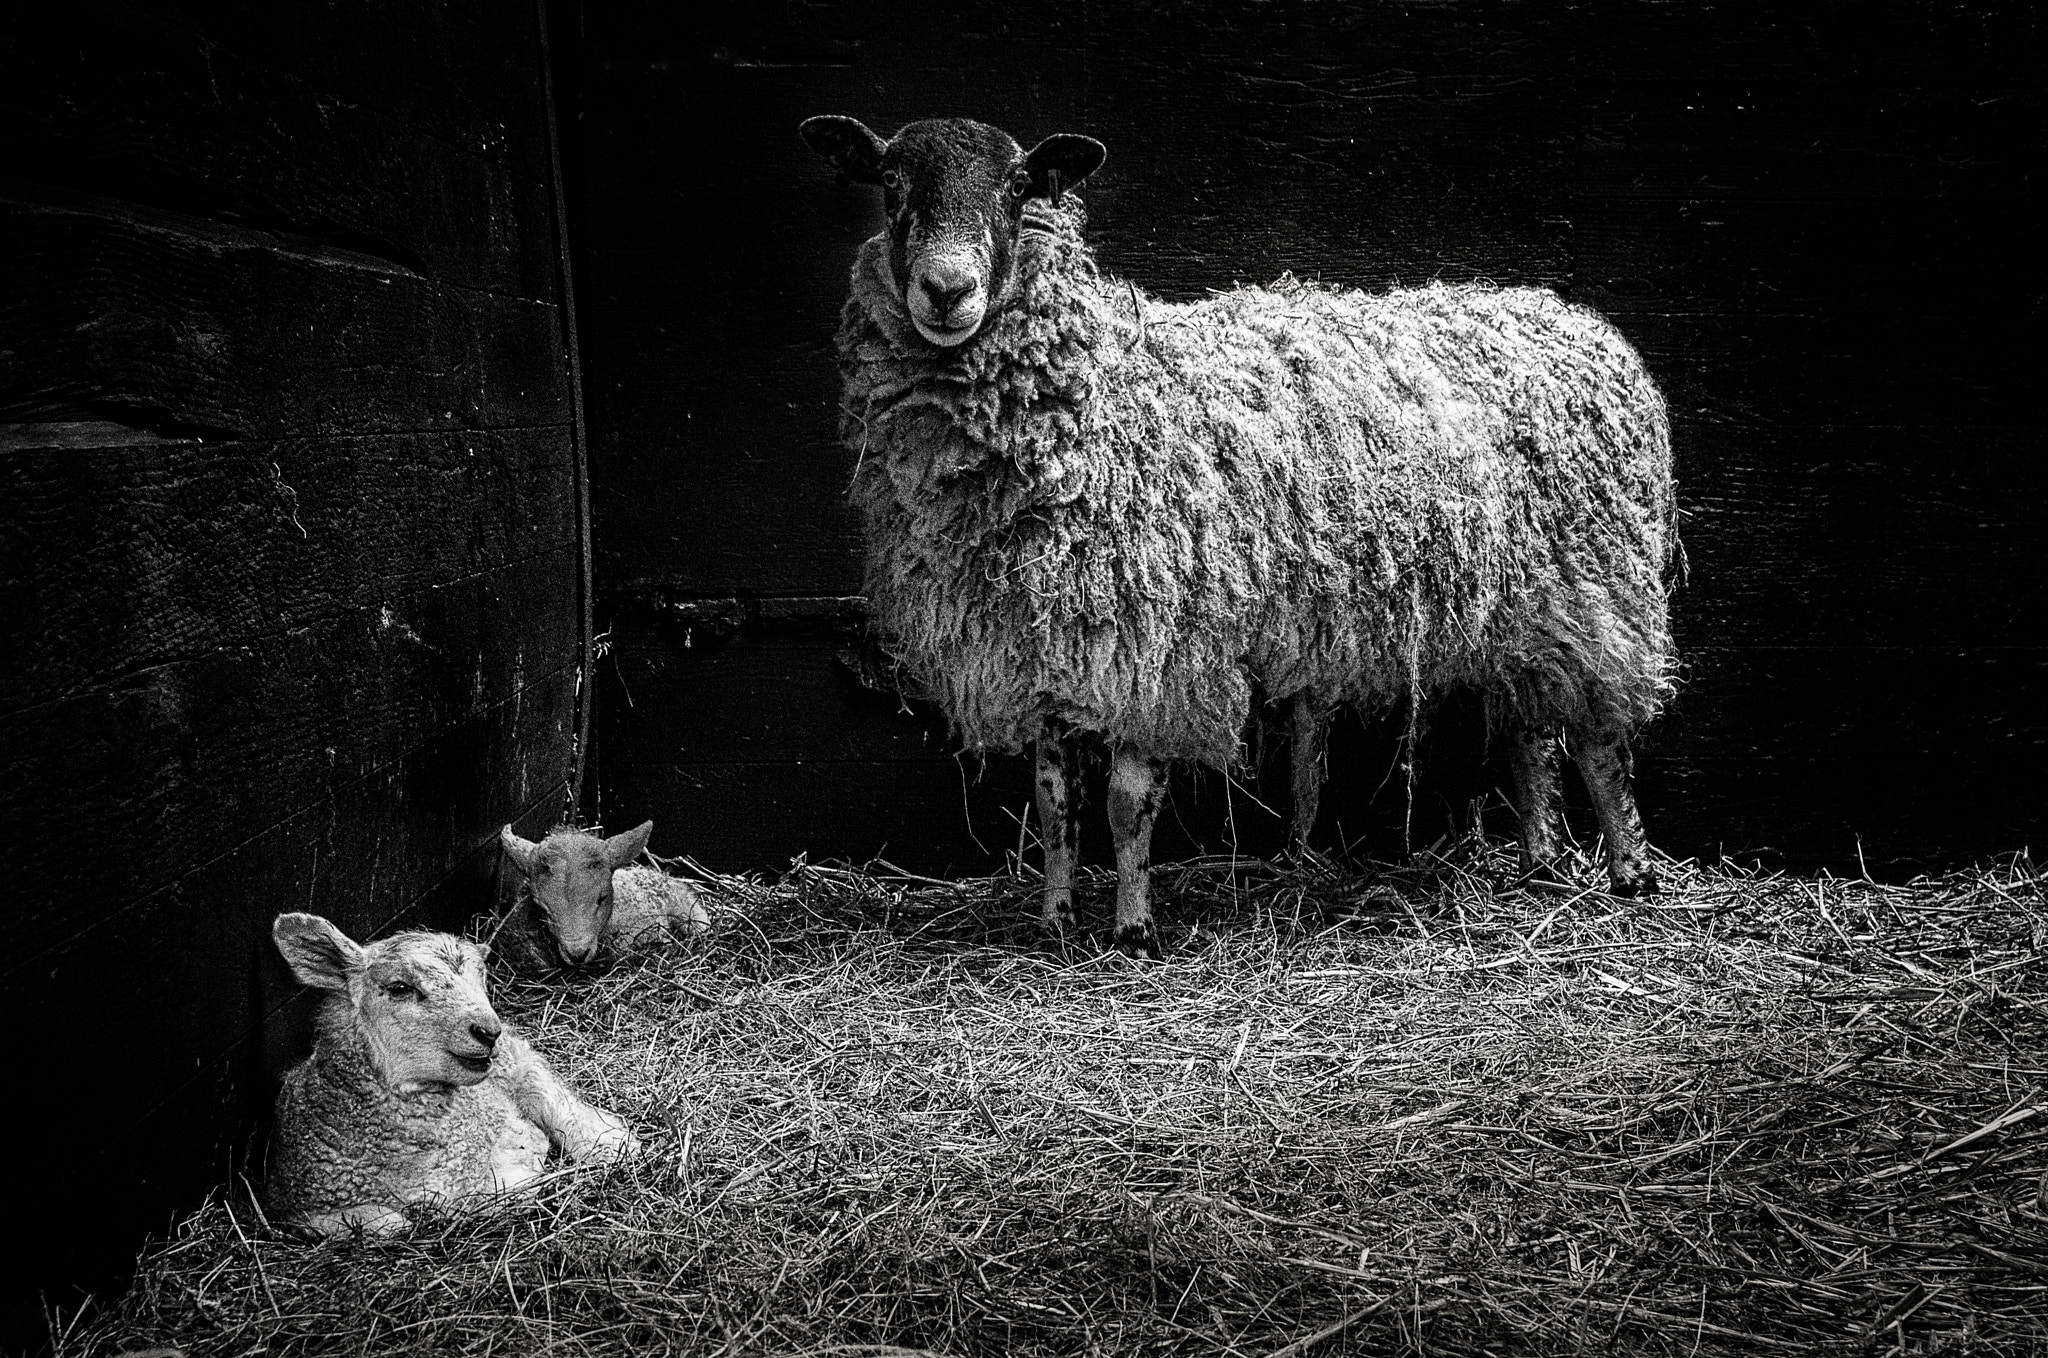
<point x="620" y="850"/>
<point x="846" y="142"/>
<point x="520" y="851"/>
<point x="318" y="953"/>
<point x="1062" y="161"/>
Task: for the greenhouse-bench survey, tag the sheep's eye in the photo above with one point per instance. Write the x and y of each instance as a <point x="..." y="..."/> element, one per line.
<point x="543" y="870"/>
<point x="891" y="180"/>
<point x="1020" y="186"/>
<point x="400" y="990"/>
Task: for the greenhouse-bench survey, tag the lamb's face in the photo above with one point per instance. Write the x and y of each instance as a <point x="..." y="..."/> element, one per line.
<point x="417" y="1000"/>
<point x="570" y="875"/>
<point x="422" y="1009"/>
<point x="954" y="191"/>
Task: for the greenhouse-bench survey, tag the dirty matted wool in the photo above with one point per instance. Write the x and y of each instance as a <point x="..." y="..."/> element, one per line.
<point x="1124" y="514"/>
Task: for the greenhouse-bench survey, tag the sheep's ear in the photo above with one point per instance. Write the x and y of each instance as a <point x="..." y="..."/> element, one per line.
<point x="318" y="953"/>
<point x="846" y="142"/>
<point x="520" y="851"/>
<point x="620" y="850"/>
<point x="1062" y="161"/>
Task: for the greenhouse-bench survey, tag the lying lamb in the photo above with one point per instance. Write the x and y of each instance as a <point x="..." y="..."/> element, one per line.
<point x="415" y="1091"/>
<point x="579" y="894"/>
<point x="1089" y="512"/>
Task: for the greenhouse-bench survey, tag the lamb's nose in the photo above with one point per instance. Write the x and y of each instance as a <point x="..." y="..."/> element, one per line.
<point x="487" y="1036"/>
<point x="943" y="297"/>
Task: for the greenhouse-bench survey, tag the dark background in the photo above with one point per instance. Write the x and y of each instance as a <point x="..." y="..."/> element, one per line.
<point x="291" y="484"/>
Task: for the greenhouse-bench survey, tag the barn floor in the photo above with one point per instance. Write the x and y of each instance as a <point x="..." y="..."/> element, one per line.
<point x="1409" y="1112"/>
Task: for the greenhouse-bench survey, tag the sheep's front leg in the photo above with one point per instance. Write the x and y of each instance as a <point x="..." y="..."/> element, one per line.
<point x="1137" y="786"/>
<point x="1534" y="768"/>
<point x="1604" y="763"/>
<point x="1311" y="734"/>
<point x="582" y="1130"/>
<point x="1059" y="824"/>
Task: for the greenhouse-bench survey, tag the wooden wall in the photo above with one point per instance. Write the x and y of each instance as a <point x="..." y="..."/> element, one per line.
<point x="1816" y="224"/>
<point x="289" y="517"/>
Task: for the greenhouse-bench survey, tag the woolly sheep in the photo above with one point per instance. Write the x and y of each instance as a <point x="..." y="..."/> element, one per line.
<point x="1092" y="513"/>
<point x="578" y="892"/>
<point x="415" y="1091"/>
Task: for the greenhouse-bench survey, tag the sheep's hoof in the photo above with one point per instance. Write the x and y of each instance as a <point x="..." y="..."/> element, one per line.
<point x="1138" y="940"/>
<point x="1643" y="883"/>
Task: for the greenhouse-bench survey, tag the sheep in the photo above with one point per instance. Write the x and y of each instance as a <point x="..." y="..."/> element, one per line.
<point x="1091" y="513"/>
<point x="578" y="893"/>
<point x="415" y="1091"/>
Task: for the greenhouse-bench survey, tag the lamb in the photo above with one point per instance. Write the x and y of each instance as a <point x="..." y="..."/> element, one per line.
<point x="579" y="894"/>
<point x="415" y="1092"/>
<point x="1093" y="514"/>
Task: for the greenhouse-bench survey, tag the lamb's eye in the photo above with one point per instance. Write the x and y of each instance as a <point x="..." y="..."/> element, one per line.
<point x="891" y="180"/>
<point x="543" y="870"/>
<point x="1019" y="186"/>
<point x="401" y="990"/>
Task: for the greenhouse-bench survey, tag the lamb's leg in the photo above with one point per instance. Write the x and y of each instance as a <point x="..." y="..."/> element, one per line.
<point x="582" y="1130"/>
<point x="1137" y="785"/>
<point x="1604" y="763"/>
<point x="1534" y="768"/>
<point x="1311" y="732"/>
<point x="1059" y="824"/>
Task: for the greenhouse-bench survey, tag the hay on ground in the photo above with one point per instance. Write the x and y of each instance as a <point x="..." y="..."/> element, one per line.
<point x="1397" y="1112"/>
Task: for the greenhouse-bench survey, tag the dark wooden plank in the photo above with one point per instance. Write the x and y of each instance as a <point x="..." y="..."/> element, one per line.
<point x="1809" y="141"/>
<point x="1926" y="754"/>
<point x="1913" y="43"/>
<point x="206" y="752"/>
<point x="751" y="699"/>
<point x="1939" y="261"/>
<point x="464" y="73"/>
<point x="191" y="324"/>
<point x="1927" y="538"/>
<point x="1881" y="367"/>
<point x="117" y="102"/>
<point x="127" y="557"/>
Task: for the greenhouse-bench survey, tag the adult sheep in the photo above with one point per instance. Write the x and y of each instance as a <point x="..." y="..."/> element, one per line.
<point x="1091" y="512"/>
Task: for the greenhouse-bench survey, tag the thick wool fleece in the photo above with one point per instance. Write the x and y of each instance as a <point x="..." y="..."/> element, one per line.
<point x="1122" y="514"/>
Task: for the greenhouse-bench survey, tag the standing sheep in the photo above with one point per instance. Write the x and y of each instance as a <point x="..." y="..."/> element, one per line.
<point x="415" y="1092"/>
<point x="578" y="892"/>
<point x="1092" y="512"/>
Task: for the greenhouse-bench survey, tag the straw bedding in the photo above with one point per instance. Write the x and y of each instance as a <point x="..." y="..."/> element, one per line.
<point x="1131" y="516"/>
<point x="1406" y="1112"/>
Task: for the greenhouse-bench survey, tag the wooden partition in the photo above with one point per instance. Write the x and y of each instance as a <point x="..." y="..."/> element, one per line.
<point x="289" y="515"/>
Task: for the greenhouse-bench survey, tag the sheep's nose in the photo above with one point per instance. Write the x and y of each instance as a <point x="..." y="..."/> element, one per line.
<point x="486" y="1034"/>
<point x="943" y="297"/>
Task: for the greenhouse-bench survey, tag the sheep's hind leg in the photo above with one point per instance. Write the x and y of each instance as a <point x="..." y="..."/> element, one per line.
<point x="1137" y="786"/>
<point x="1059" y="824"/>
<point x="1310" y="735"/>
<point x="1534" y="768"/>
<point x="1604" y="763"/>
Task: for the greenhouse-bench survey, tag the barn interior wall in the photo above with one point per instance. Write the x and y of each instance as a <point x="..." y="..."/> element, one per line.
<point x="289" y="514"/>
<point x="1815" y="226"/>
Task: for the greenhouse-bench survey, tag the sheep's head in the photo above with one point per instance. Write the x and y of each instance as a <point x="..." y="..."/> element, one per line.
<point x="570" y="875"/>
<point x="954" y="191"/>
<point x="417" y="999"/>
